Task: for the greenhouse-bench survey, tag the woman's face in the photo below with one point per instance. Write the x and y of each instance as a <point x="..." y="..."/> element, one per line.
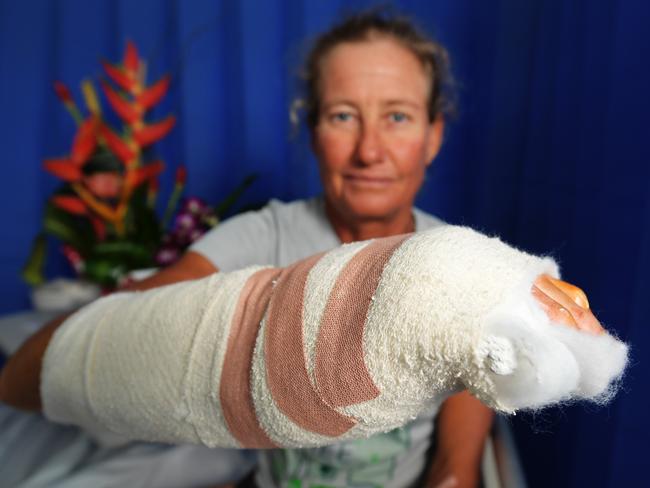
<point x="373" y="139"/>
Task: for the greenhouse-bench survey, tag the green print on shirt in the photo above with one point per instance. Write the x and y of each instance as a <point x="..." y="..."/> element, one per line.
<point x="368" y="463"/>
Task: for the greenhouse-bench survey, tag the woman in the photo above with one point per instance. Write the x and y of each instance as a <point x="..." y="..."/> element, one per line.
<point x="374" y="104"/>
<point x="374" y="108"/>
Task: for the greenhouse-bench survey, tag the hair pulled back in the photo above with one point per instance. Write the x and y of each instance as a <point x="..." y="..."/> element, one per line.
<point x="368" y="26"/>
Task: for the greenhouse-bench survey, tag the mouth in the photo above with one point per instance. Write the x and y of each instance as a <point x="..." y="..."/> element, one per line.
<point x="370" y="181"/>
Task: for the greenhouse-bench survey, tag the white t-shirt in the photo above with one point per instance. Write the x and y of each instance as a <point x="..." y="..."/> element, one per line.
<point x="278" y="235"/>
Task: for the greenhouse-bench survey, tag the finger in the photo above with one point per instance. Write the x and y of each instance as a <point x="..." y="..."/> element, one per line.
<point x="554" y="310"/>
<point x="584" y="318"/>
<point x="575" y="293"/>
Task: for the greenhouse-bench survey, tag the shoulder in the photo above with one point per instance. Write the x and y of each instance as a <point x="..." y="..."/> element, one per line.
<point x="240" y="241"/>
<point x="310" y="208"/>
<point x="278" y="234"/>
<point x="284" y="217"/>
<point x="425" y="220"/>
<point x="302" y="228"/>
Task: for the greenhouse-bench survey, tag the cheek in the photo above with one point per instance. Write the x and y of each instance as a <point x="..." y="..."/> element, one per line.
<point x="333" y="149"/>
<point x="409" y="155"/>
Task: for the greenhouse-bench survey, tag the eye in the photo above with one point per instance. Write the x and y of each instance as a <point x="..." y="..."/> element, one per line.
<point x="341" y="117"/>
<point x="398" y="117"/>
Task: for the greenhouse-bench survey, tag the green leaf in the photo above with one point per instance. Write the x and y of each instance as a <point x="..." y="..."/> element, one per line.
<point x="32" y="272"/>
<point x="103" y="161"/>
<point x="144" y="227"/>
<point x="112" y="260"/>
<point x="222" y="207"/>
<point x="75" y="231"/>
<point x="127" y="253"/>
<point x="105" y="272"/>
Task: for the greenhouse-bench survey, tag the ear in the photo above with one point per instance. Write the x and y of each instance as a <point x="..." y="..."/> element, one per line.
<point x="436" y="131"/>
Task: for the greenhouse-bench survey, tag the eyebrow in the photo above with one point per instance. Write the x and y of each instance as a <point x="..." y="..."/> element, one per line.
<point x="398" y="102"/>
<point x="387" y="103"/>
<point x="338" y="102"/>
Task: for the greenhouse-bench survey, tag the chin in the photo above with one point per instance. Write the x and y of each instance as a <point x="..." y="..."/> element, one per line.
<point x="371" y="208"/>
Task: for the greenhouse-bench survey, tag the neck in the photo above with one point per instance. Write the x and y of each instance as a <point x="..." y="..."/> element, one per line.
<point x="350" y="229"/>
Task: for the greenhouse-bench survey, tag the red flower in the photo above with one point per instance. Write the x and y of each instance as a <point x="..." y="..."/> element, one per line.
<point x="117" y="145"/>
<point x="62" y="92"/>
<point x="70" y="204"/>
<point x="74" y="257"/>
<point x="85" y="141"/>
<point x="152" y="95"/>
<point x="99" y="226"/>
<point x="140" y="175"/>
<point x="120" y="77"/>
<point x="63" y="168"/>
<point x="181" y="175"/>
<point x="131" y="61"/>
<point x="154" y="185"/>
<point x="122" y="107"/>
<point x="154" y="132"/>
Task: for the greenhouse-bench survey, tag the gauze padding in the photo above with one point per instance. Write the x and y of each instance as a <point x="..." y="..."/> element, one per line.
<point x="338" y="346"/>
<point x="145" y="365"/>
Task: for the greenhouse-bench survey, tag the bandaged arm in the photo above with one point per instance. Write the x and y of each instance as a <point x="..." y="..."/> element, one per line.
<point x="338" y="346"/>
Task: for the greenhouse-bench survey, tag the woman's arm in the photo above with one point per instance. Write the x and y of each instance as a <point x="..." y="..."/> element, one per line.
<point x="462" y="426"/>
<point x="394" y="325"/>
<point x="21" y="377"/>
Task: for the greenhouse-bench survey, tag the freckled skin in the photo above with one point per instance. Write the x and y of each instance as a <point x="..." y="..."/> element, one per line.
<point x="374" y="139"/>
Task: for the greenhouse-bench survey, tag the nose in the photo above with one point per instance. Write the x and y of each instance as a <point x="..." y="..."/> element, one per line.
<point x="370" y="148"/>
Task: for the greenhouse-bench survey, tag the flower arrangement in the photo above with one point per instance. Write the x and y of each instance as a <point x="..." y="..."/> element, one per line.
<point x="104" y="212"/>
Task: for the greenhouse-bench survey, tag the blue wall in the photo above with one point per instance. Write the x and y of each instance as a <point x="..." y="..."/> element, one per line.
<point x="551" y="149"/>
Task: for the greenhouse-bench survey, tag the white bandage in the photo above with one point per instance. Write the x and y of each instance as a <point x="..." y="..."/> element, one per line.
<point x="338" y="346"/>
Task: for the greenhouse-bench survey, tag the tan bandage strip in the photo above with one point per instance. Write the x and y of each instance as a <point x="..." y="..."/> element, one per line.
<point x="287" y="375"/>
<point x="235" y="391"/>
<point x="342" y="377"/>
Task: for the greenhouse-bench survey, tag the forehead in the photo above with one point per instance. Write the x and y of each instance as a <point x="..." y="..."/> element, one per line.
<point x="372" y="70"/>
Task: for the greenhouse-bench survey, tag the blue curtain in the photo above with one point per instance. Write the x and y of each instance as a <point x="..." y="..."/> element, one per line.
<point x="550" y="149"/>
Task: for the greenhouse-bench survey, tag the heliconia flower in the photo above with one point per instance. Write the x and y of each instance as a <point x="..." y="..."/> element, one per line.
<point x="74" y="257"/>
<point x="70" y="204"/>
<point x="63" y="168"/>
<point x="145" y="173"/>
<point x="154" y="132"/>
<point x="102" y="209"/>
<point x="85" y="141"/>
<point x="131" y="61"/>
<point x="116" y="144"/>
<point x="99" y="227"/>
<point x="181" y="175"/>
<point x="63" y="92"/>
<point x="154" y="185"/>
<point x="122" y="107"/>
<point x="152" y="95"/>
<point x="120" y="77"/>
<point x="90" y="96"/>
